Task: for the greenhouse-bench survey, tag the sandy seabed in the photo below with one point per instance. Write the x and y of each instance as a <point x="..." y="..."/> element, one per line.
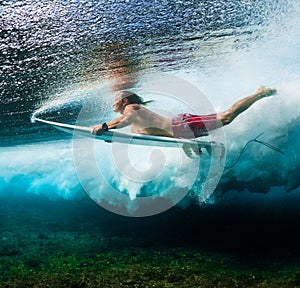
<point x="63" y="243"/>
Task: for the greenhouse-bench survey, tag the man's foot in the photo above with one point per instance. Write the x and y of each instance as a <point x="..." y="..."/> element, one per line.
<point x="265" y="92"/>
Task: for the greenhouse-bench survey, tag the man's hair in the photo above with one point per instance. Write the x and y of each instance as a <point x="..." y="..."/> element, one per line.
<point x="134" y="98"/>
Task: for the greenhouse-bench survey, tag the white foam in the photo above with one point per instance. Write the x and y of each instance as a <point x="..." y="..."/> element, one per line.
<point x="45" y="169"/>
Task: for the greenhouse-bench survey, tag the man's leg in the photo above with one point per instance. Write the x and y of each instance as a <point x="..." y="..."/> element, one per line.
<point x="240" y="106"/>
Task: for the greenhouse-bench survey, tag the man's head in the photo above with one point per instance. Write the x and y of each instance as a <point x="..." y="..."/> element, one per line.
<point x="125" y="98"/>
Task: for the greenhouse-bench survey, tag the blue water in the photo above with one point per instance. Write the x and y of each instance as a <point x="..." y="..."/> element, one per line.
<point x="59" y="59"/>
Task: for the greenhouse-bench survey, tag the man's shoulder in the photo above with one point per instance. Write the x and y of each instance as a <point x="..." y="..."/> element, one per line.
<point x="133" y="107"/>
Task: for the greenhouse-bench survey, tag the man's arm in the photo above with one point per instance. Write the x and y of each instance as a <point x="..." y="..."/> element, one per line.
<point x="120" y="122"/>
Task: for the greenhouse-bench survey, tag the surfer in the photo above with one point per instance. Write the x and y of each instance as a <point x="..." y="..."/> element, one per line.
<point x="144" y="121"/>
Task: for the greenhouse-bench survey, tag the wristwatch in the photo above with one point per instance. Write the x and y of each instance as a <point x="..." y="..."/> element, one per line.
<point x="104" y="127"/>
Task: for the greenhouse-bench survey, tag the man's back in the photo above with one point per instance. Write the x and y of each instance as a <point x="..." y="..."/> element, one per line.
<point x="144" y="118"/>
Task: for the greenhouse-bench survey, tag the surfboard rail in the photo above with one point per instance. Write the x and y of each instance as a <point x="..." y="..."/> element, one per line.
<point x="129" y="138"/>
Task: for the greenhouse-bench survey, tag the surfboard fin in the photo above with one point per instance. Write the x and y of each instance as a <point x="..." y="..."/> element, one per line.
<point x="208" y="149"/>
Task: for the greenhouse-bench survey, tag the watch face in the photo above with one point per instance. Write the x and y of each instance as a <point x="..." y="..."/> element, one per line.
<point x="104" y="127"/>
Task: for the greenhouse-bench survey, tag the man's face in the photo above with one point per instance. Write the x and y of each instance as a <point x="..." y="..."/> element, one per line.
<point x="118" y="104"/>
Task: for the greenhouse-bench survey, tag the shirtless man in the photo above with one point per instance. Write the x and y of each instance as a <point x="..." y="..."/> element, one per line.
<point x="144" y="121"/>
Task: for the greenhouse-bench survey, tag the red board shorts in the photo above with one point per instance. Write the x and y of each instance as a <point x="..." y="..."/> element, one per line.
<point x="193" y="126"/>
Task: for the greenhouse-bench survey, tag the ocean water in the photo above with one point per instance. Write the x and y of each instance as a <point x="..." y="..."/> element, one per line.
<point x="65" y="61"/>
<point x="68" y="64"/>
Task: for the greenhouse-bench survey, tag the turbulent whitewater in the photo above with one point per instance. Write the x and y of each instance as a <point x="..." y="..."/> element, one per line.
<point x="60" y="60"/>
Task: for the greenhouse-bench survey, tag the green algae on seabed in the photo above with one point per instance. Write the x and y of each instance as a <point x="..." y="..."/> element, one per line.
<point x="74" y="244"/>
<point x="140" y="267"/>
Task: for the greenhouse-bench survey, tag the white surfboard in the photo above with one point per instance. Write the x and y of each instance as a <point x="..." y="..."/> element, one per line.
<point x="129" y="138"/>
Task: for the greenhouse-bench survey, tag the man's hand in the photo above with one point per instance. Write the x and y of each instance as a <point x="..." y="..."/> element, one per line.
<point x="97" y="130"/>
<point x="188" y="149"/>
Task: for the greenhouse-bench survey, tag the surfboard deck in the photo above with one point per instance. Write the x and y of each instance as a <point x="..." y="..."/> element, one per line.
<point x="128" y="138"/>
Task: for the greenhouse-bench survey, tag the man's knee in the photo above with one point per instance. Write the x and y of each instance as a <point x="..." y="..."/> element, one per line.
<point x="225" y="118"/>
